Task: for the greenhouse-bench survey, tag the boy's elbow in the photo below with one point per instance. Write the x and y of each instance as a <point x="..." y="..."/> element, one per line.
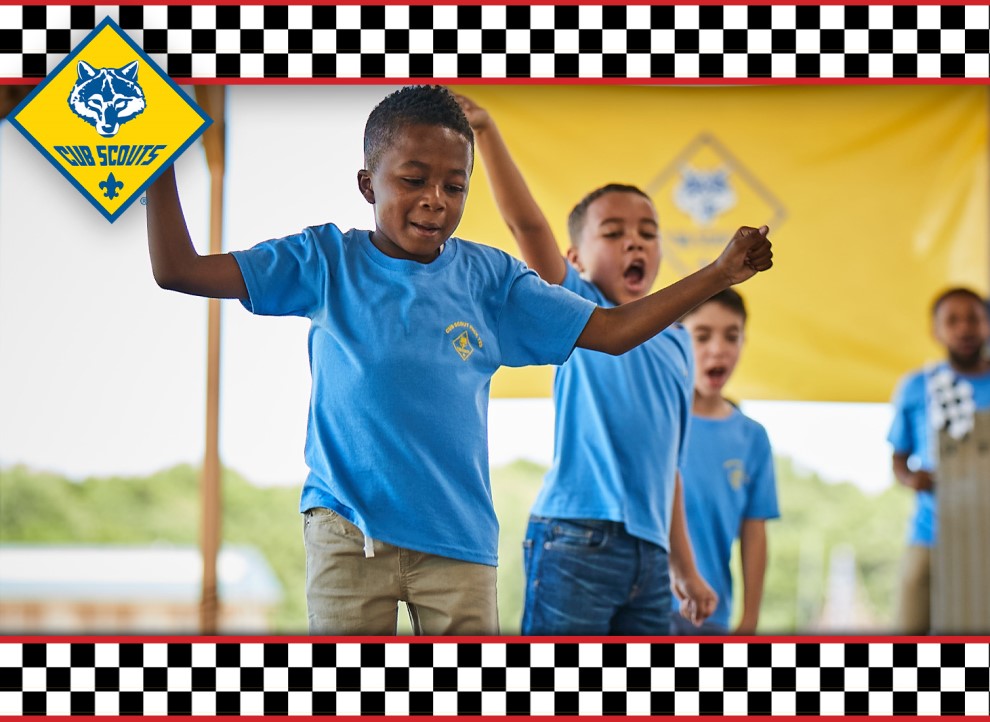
<point x="161" y="280"/>
<point x="165" y="280"/>
<point x="169" y="280"/>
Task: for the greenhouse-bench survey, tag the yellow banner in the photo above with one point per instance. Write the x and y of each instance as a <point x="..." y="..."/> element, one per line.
<point x="877" y="198"/>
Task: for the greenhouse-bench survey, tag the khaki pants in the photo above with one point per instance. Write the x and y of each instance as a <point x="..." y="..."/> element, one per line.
<point x="349" y="593"/>
<point x="914" y="614"/>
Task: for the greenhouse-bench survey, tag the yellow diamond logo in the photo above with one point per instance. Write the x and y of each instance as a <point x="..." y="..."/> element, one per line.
<point x="462" y="344"/>
<point x="109" y="119"/>
<point x="702" y="197"/>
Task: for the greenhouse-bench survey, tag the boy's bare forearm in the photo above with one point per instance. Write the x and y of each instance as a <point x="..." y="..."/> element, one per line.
<point x="901" y="471"/>
<point x="681" y="554"/>
<point x="621" y="328"/>
<point x="919" y="480"/>
<point x="174" y="261"/>
<point x="753" y="553"/>
<point x="519" y="209"/>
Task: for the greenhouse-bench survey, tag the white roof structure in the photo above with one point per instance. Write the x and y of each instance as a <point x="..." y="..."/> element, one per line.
<point x="158" y="573"/>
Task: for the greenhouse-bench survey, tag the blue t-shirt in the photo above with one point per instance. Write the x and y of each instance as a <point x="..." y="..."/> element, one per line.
<point x="728" y="477"/>
<point x="620" y="427"/>
<point x="911" y="434"/>
<point x="401" y="354"/>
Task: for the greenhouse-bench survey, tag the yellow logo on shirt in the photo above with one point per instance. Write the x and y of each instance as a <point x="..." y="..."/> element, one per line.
<point x="109" y="119"/>
<point x="462" y="341"/>
<point x="735" y="473"/>
<point x="462" y="344"/>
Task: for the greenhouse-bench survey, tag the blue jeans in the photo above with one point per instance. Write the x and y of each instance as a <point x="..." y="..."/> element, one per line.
<point x="590" y="577"/>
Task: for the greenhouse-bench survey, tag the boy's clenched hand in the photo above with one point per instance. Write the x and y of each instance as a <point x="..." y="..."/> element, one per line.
<point x="477" y="116"/>
<point x="748" y="253"/>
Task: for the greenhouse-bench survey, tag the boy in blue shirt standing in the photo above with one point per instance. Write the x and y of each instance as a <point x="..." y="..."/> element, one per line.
<point x="608" y="522"/>
<point x="408" y="324"/>
<point x="729" y="485"/>
<point x="960" y="325"/>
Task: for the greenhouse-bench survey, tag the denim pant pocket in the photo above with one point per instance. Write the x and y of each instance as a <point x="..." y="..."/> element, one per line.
<point x="576" y="534"/>
<point x="591" y="577"/>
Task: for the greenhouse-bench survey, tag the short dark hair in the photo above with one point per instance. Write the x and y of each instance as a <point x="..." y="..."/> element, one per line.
<point x="575" y="221"/>
<point x="953" y="292"/>
<point x="729" y="298"/>
<point x="412" y="105"/>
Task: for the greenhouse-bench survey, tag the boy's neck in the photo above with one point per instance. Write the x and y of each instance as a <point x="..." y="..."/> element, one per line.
<point x="711" y="407"/>
<point x="977" y="369"/>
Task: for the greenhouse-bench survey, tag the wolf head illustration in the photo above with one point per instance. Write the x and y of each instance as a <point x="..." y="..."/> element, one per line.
<point x="704" y="194"/>
<point x="107" y="97"/>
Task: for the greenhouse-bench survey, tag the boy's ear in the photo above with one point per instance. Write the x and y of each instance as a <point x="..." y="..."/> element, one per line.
<point x="574" y="259"/>
<point x="364" y="186"/>
<point x="937" y="333"/>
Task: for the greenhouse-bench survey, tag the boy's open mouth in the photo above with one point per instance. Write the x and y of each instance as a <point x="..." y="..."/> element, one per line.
<point x="717" y="374"/>
<point x="635" y="272"/>
<point x="426" y="227"/>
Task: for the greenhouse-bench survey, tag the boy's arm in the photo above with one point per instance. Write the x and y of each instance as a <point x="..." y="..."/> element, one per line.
<point x="618" y="329"/>
<point x="920" y="480"/>
<point x="753" y="551"/>
<point x="698" y="600"/>
<point x="515" y="203"/>
<point x="174" y="261"/>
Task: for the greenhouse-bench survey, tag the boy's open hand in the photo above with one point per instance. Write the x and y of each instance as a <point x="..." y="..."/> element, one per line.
<point x="748" y="253"/>
<point x="477" y="116"/>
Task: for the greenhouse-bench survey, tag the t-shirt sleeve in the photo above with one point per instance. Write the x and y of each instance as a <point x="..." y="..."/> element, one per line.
<point x="901" y="435"/>
<point x="284" y="276"/>
<point x="762" y="502"/>
<point x="539" y="322"/>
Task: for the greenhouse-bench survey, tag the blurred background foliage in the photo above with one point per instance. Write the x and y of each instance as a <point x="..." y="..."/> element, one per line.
<point x="817" y="520"/>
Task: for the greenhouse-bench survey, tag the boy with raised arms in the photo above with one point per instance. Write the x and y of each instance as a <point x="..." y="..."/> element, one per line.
<point x="397" y="502"/>
<point x="607" y="527"/>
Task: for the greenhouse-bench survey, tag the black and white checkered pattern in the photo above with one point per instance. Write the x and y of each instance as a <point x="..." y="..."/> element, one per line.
<point x="951" y="405"/>
<point x="447" y="42"/>
<point x="493" y="677"/>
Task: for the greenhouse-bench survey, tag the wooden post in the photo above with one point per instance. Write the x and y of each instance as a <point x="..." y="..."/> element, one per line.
<point x="961" y="557"/>
<point x="11" y="96"/>
<point x="212" y="99"/>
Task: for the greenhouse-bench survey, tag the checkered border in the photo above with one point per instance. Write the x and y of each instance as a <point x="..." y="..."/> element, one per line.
<point x="401" y="677"/>
<point x="509" y="42"/>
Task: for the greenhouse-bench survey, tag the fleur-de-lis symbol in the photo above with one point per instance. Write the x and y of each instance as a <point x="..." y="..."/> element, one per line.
<point x="110" y="187"/>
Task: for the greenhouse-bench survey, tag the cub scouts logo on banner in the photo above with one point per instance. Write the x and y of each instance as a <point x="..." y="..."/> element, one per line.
<point x="702" y="197"/>
<point x="109" y="119"/>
